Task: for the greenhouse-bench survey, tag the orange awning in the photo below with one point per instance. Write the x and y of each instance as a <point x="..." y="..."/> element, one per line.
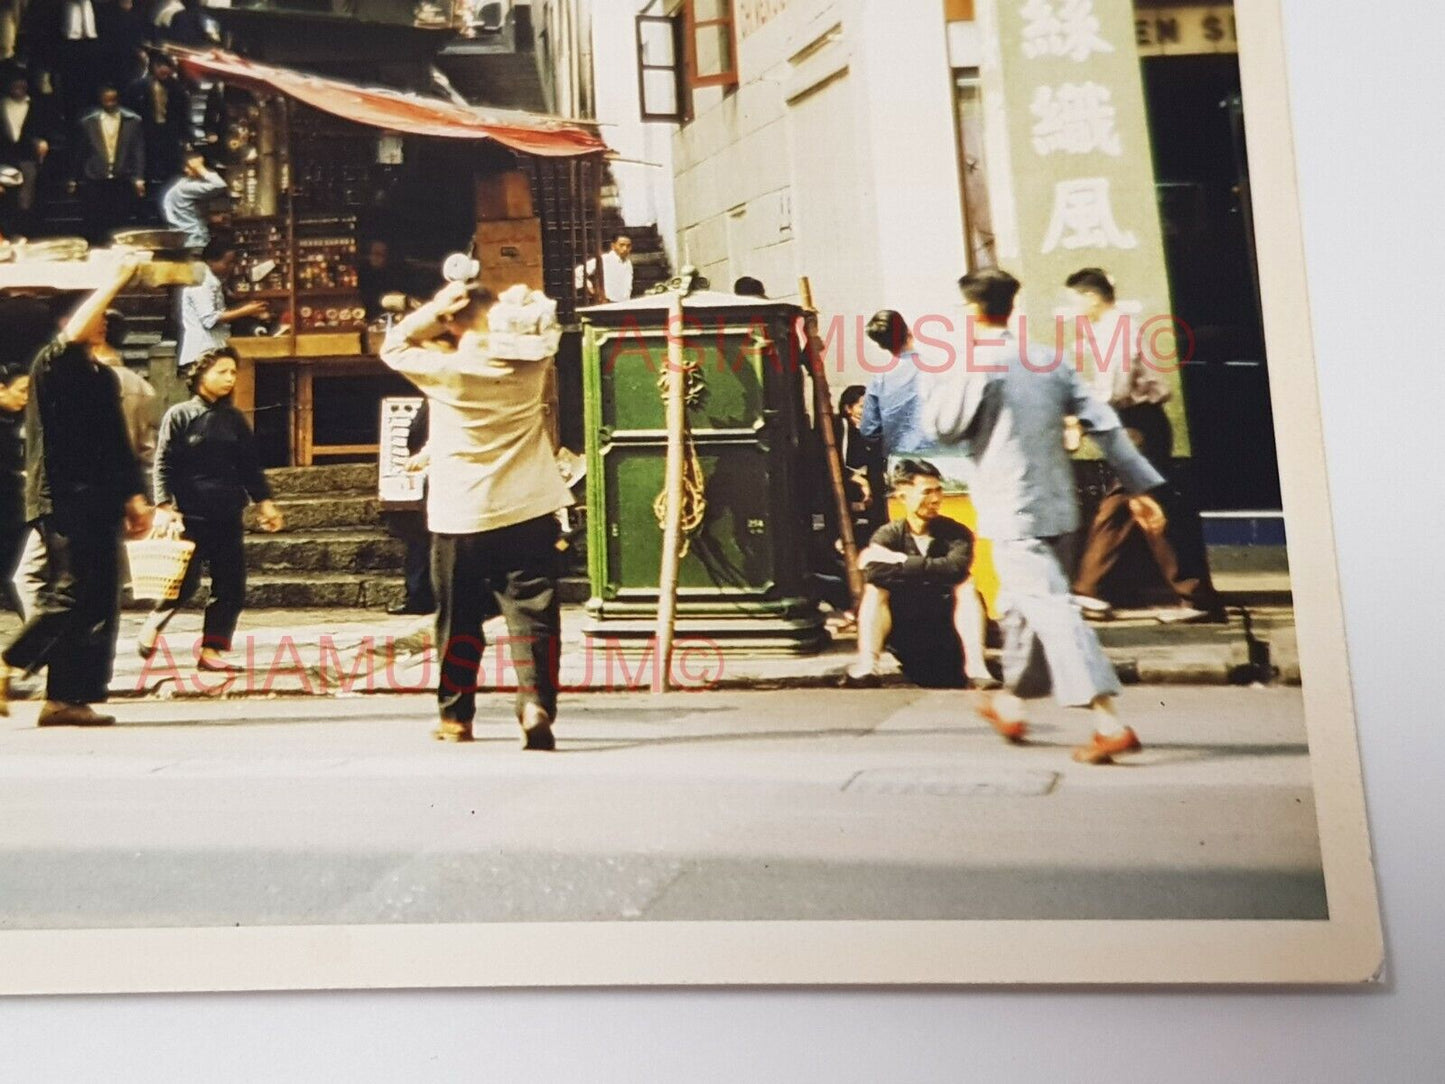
<point x="396" y="110"/>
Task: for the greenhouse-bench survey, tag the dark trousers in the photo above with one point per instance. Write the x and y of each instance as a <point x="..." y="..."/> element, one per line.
<point x="1179" y="552"/>
<point x="410" y="527"/>
<point x="923" y="639"/>
<point x="77" y="613"/>
<point x="417" y="568"/>
<point x="12" y="546"/>
<point x="512" y="568"/>
<point x="220" y="546"/>
<point x="109" y="206"/>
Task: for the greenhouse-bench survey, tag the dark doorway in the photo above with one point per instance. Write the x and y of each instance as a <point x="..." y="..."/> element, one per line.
<point x="1196" y="122"/>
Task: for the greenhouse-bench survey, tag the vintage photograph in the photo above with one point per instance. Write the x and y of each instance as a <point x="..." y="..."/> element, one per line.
<point x="663" y="491"/>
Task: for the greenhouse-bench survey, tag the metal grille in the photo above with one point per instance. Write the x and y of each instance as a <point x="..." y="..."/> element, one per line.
<point x="568" y="197"/>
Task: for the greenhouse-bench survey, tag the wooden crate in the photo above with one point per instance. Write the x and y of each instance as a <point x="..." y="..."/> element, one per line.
<point x="505" y="195"/>
<point x="510" y="252"/>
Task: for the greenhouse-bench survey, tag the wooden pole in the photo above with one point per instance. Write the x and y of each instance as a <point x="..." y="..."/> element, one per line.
<point x="672" y="489"/>
<point x="825" y="419"/>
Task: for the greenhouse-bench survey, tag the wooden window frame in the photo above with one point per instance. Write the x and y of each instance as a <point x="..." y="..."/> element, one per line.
<point x="678" y="68"/>
<point x="691" y="26"/>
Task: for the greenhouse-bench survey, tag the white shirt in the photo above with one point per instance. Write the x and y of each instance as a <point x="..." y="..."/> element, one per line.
<point x="616" y="276"/>
<point x="77" y="20"/>
<point x="15" y="114"/>
<point x="110" y="133"/>
<point x="201" y="326"/>
<point x="492" y="463"/>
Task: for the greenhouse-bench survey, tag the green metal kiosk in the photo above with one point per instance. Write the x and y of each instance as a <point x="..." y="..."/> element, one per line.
<point x="742" y="580"/>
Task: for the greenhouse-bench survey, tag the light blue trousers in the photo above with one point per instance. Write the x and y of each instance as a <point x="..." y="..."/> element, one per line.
<point x="1046" y="644"/>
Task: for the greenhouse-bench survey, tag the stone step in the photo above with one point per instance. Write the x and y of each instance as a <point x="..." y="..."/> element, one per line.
<point x="324" y="590"/>
<point x="331" y="479"/>
<point x="305" y="590"/>
<point x="325" y="551"/>
<point x="337" y="511"/>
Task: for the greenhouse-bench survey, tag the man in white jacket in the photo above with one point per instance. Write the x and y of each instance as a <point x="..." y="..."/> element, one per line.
<point x="493" y="493"/>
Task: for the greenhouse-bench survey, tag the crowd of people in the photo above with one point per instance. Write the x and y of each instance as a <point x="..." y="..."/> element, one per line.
<point x="93" y="106"/>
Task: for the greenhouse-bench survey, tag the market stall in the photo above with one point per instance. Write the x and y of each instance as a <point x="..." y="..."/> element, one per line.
<point x="342" y="193"/>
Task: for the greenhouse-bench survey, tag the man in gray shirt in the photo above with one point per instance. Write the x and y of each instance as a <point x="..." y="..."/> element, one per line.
<point x="1005" y="406"/>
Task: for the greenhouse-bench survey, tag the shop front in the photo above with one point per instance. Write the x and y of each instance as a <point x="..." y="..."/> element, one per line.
<point x="343" y="197"/>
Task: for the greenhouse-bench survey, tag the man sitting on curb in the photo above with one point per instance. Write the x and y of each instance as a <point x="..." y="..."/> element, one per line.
<point x="914" y="602"/>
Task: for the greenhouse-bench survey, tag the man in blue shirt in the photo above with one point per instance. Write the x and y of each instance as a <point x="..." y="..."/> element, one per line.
<point x="1005" y="408"/>
<point x="893" y="403"/>
<point x="205" y="320"/>
<point x="184" y="202"/>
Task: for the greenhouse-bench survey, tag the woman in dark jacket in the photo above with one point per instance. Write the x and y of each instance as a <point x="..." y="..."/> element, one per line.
<point x="206" y="470"/>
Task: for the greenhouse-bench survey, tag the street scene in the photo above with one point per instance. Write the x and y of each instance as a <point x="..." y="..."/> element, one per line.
<point x="609" y="460"/>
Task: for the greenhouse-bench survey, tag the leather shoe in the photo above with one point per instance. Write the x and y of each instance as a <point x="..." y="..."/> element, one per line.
<point x="849" y="680"/>
<point x="72" y="715"/>
<point x="450" y="730"/>
<point x="1011" y="730"/>
<point x="1102" y="750"/>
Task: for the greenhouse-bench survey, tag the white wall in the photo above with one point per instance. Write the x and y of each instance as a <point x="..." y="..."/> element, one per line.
<point x="645" y="191"/>
<point x="792" y="163"/>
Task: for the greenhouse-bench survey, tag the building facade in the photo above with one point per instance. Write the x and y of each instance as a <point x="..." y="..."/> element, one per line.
<point x="881" y="148"/>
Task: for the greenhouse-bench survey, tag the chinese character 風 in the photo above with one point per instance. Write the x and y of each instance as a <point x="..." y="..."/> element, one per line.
<point x="1083" y="217"/>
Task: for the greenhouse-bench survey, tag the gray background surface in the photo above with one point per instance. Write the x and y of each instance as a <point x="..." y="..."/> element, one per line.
<point x="1368" y="98"/>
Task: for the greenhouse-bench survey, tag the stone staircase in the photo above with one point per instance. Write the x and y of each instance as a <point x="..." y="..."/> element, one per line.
<point x="334" y="552"/>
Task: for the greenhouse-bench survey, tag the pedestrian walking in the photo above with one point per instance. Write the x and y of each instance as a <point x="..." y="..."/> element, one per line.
<point x="1128" y="384"/>
<point x="1005" y="409"/>
<point x="14" y="394"/>
<point x="493" y="493"/>
<point x="205" y="474"/>
<point x="83" y="485"/>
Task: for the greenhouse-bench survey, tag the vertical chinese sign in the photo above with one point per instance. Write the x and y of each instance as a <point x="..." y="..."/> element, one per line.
<point x="1065" y="121"/>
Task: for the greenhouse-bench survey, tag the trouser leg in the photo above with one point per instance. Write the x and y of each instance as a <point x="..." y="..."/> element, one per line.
<point x="1181" y="554"/>
<point x="29" y="578"/>
<point x="12" y="546"/>
<point x="224" y="545"/>
<point x="522" y="562"/>
<point x="461" y="589"/>
<point x="73" y="629"/>
<point x="1105" y="543"/>
<point x="417" y="569"/>
<point x="1047" y="644"/>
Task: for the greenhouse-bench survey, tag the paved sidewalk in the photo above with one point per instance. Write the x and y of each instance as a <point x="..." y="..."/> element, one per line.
<point x="352" y="652"/>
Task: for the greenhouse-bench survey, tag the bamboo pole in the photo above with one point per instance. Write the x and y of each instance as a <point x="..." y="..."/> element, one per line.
<point x="672" y="488"/>
<point x="825" y="419"/>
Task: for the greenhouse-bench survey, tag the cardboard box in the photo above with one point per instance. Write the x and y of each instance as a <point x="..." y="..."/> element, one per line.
<point x="504" y="195"/>
<point x="510" y="251"/>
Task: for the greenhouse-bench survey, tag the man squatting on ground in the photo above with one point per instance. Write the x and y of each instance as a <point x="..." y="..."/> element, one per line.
<point x="1005" y="407"/>
<point x="83" y="482"/>
<point x="918" y="591"/>
<point x="893" y="415"/>
<point x="492" y="498"/>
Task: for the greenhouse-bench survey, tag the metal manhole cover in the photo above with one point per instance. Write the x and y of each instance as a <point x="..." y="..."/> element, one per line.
<point x="975" y="783"/>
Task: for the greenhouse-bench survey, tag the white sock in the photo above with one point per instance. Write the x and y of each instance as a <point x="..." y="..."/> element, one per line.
<point x="1106" y="723"/>
<point x="1008" y="707"/>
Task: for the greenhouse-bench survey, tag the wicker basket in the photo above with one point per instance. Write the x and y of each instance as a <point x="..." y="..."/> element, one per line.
<point x="158" y="566"/>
